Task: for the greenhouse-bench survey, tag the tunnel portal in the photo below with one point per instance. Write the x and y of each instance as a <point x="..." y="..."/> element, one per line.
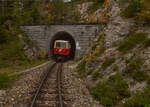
<point x="67" y="37"/>
<point x="80" y="34"/>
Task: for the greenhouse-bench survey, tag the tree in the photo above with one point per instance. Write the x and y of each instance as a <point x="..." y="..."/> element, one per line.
<point x="59" y="6"/>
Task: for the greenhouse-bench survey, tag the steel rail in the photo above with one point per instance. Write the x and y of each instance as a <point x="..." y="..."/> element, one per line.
<point x="59" y="85"/>
<point x="41" y="85"/>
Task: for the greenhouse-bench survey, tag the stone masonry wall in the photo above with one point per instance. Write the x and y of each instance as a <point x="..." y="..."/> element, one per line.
<point x="82" y="34"/>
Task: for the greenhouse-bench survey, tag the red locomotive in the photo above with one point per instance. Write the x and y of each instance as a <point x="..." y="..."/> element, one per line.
<point x="61" y="47"/>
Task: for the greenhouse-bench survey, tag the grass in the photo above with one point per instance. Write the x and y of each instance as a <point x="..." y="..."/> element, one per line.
<point x="4" y="81"/>
<point x="112" y="91"/>
<point x="107" y="63"/>
<point x="132" y="40"/>
<point x="7" y="81"/>
<point x="133" y="70"/>
<point x="25" y="65"/>
<point x="140" y="99"/>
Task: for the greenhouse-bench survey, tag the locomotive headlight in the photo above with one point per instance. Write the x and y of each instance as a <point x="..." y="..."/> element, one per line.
<point x="60" y="50"/>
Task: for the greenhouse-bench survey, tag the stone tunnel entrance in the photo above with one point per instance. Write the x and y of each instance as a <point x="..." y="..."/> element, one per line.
<point x="63" y="36"/>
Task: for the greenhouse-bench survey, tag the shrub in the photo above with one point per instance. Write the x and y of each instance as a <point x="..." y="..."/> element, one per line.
<point x="115" y="68"/>
<point x="107" y="63"/>
<point x="143" y="18"/>
<point x="147" y="42"/>
<point x="139" y="75"/>
<point x="134" y="64"/>
<point x="131" y="41"/>
<point x="133" y="8"/>
<point x="99" y="1"/>
<point x="11" y="51"/>
<point x="139" y="99"/>
<point x="3" y="35"/>
<point x="96" y="5"/>
<point x="133" y="70"/>
<point x="95" y="75"/>
<point x="112" y="91"/>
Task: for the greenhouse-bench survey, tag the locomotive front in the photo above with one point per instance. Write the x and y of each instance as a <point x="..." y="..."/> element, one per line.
<point x="61" y="50"/>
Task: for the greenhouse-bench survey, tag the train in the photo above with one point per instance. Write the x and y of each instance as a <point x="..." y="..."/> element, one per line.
<point x="62" y="50"/>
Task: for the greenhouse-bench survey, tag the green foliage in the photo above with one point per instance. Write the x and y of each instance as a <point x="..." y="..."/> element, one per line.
<point x="139" y="75"/>
<point x="132" y="40"/>
<point x="133" y="70"/>
<point x="11" y="51"/>
<point x="4" y="81"/>
<point x="107" y="63"/>
<point x="95" y="75"/>
<point x="112" y="91"/>
<point x="147" y="42"/>
<point x="140" y="99"/>
<point x="133" y="8"/>
<point x="3" y="35"/>
<point x="134" y="64"/>
<point x="115" y="68"/>
<point x="59" y="6"/>
<point x="98" y="1"/>
<point x="81" y="67"/>
<point x="139" y="10"/>
<point x="97" y="4"/>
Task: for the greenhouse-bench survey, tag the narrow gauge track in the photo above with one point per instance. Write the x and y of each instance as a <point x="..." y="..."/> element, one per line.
<point x="49" y="92"/>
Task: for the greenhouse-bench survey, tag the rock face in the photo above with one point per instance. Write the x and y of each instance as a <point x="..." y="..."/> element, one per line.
<point x="91" y="65"/>
<point x="83" y="8"/>
<point x="31" y="52"/>
<point x="146" y="56"/>
<point x="118" y="27"/>
<point x="116" y="30"/>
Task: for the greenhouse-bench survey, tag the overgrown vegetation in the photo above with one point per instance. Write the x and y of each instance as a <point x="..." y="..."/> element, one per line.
<point x="4" y="81"/>
<point x="138" y="9"/>
<point x="112" y="91"/>
<point x="97" y="4"/>
<point x="147" y="43"/>
<point x="107" y="63"/>
<point x="81" y="67"/>
<point x="12" y="56"/>
<point x="7" y="81"/>
<point x="133" y="8"/>
<point x="115" y="68"/>
<point x="140" y="99"/>
<point x="134" y="70"/>
<point x="96" y="75"/>
<point x="131" y="41"/>
<point x="98" y="47"/>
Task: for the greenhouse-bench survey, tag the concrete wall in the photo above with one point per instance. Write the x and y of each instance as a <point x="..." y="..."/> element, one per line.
<point x="82" y="34"/>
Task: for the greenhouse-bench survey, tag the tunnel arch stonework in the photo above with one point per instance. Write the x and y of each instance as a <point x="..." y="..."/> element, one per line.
<point x="83" y="34"/>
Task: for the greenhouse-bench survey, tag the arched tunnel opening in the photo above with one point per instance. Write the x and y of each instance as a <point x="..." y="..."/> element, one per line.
<point x="66" y="37"/>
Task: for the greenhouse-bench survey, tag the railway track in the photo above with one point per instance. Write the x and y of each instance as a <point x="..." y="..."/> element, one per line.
<point x="50" y="91"/>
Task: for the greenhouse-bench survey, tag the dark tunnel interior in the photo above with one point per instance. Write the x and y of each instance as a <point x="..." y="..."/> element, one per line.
<point x="63" y="36"/>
